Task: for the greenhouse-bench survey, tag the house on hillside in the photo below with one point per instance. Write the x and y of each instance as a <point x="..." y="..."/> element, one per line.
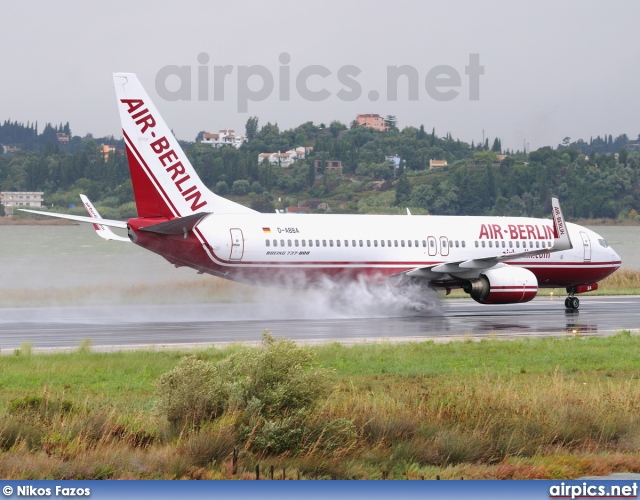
<point x="287" y="158"/>
<point x="11" y="199"/>
<point x="437" y="163"/>
<point x="372" y="120"/>
<point x="225" y="137"/>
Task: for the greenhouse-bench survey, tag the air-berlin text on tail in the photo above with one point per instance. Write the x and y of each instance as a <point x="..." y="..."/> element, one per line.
<point x="167" y="156"/>
<point x="515" y="232"/>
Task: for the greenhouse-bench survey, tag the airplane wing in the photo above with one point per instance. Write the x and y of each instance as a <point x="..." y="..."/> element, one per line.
<point x="561" y="242"/>
<point x="101" y="229"/>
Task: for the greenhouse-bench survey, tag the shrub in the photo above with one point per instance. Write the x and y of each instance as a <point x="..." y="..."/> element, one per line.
<point x="189" y="393"/>
<point x="272" y="390"/>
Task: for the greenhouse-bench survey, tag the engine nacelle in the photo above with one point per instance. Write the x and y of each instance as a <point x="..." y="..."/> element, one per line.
<point x="504" y="285"/>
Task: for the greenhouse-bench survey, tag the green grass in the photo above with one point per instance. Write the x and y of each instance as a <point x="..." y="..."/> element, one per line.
<point x="527" y="408"/>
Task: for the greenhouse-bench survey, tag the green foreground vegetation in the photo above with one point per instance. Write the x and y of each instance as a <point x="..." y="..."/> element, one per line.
<point x="535" y="408"/>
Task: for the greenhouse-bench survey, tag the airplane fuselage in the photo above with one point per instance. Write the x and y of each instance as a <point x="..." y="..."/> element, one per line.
<point x="269" y="248"/>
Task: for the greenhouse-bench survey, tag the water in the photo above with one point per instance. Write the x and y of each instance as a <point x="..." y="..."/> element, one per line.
<point x="71" y="256"/>
<point x="625" y="240"/>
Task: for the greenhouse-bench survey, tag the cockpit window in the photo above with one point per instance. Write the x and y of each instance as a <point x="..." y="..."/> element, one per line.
<point x="603" y="243"/>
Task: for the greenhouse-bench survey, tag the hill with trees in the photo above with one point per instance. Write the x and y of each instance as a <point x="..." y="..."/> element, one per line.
<point x="594" y="179"/>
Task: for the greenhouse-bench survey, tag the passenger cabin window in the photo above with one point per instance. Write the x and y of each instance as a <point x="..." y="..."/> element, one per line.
<point x="281" y="243"/>
<point x="337" y="243"/>
<point x="483" y="244"/>
<point x="317" y="243"/>
<point x="360" y="242"/>
<point x="368" y="243"/>
<point x="324" y="243"/>
<point x="353" y="243"/>
<point x="381" y="243"/>
<point x="304" y="243"/>
<point x="289" y="242"/>
<point x="476" y="244"/>
<point x="409" y="243"/>
<point x="424" y="243"/>
<point x="375" y="243"/>
<point x="389" y="243"/>
<point x="268" y="243"/>
<point x="330" y="243"/>
<point x="463" y="244"/>
<point x="295" y="242"/>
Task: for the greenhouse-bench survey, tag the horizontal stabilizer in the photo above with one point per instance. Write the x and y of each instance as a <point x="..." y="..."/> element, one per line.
<point x="105" y="222"/>
<point x="180" y="225"/>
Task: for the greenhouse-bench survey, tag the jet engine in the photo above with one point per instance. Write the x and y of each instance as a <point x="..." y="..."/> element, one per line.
<point x="503" y="285"/>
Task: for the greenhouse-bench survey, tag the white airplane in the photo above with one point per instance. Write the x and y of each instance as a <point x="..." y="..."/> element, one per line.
<point x="496" y="260"/>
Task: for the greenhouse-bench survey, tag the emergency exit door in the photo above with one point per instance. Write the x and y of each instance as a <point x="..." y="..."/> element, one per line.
<point x="237" y="244"/>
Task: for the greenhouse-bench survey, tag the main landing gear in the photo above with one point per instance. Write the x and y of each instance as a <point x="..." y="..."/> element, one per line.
<point x="572" y="303"/>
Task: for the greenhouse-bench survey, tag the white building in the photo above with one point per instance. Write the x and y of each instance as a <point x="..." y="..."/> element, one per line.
<point x="223" y="138"/>
<point x="12" y="199"/>
<point x="287" y="158"/>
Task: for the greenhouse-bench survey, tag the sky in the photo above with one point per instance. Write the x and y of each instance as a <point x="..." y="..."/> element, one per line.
<point x="526" y="72"/>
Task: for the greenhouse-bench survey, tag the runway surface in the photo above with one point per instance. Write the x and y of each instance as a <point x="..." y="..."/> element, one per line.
<point x="122" y="327"/>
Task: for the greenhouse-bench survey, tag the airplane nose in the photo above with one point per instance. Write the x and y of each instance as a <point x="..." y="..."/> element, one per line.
<point x="615" y="256"/>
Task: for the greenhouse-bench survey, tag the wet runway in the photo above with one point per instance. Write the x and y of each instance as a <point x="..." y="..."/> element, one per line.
<point x="122" y="327"/>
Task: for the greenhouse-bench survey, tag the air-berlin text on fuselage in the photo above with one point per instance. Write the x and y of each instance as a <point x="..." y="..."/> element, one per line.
<point x="168" y="157"/>
<point x="515" y="232"/>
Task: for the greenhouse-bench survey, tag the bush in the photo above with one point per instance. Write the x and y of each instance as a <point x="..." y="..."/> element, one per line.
<point x="191" y="393"/>
<point x="222" y="188"/>
<point x="240" y="187"/>
<point x="271" y="389"/>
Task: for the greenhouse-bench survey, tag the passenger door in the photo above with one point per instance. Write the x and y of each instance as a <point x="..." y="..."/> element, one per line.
<point x="237" y="244"/>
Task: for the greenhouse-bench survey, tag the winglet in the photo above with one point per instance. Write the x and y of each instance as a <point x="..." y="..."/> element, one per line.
<point x="103" y="231"/>
<point x="561" y="241"/>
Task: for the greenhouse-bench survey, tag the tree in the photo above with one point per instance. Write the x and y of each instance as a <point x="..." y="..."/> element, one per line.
<point x="421" y="134"/>
<point x="222" y="188"/>
<point x="403" y="190"/>
<point x="263" y="203"/>
<point x="497" y="146"/>
<point x="622" y="156"/>
<point x="390" y="121"/>
<point x="251" y="128"/>
<point x="335" y="127"/>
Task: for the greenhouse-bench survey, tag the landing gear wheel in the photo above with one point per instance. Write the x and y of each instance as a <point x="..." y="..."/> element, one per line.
<point x="572" y="303"/>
